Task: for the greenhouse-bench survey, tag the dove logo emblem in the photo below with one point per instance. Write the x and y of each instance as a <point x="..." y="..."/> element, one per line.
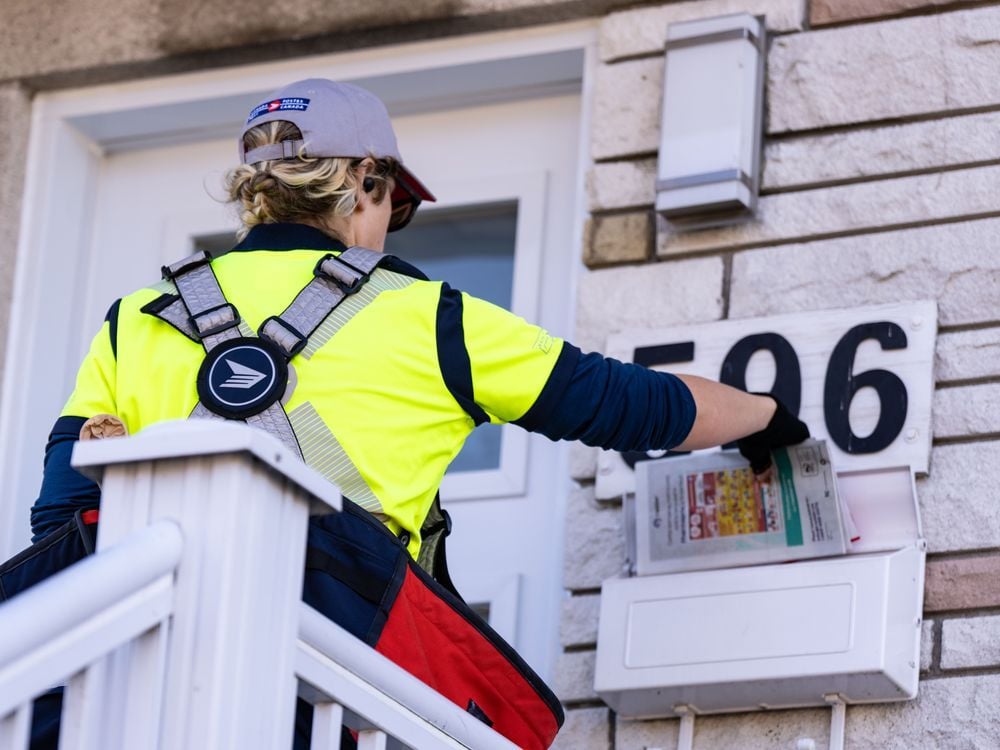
<point x="242" y="377"/>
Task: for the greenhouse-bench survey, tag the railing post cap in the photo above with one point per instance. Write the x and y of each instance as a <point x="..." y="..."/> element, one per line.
<point x="199" y="438"/>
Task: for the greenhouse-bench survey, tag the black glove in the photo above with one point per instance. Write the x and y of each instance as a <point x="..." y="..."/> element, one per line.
<point x="783" y="429"/>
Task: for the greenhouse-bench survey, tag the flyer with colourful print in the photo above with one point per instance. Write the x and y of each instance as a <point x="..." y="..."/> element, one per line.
<point x="710" y="510"/>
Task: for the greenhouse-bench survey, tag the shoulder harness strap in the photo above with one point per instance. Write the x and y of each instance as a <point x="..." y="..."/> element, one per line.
<point x="203" y="313"/>
<point x="334" y="279"/>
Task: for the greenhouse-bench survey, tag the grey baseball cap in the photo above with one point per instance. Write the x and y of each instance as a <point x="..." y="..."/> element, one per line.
<point x="336" y="120"/>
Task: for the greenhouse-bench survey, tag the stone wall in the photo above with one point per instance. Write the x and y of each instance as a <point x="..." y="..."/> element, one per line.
<point x="881" y="183"/>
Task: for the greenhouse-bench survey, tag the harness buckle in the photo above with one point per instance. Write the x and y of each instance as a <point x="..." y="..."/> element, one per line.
<point x="285" y="336"/>
<point x="345" y="276"/>
<point x="215" y="320"/>
<point x="200" y="258"/>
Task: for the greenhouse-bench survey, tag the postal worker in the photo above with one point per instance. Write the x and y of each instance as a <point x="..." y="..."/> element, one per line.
<point x="379" y="392"/>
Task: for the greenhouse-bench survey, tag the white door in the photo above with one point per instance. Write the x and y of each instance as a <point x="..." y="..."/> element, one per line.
<point x="505" y="175"/>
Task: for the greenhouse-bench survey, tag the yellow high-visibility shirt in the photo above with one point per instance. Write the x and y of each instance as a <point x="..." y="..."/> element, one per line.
<point x="383" y="403"/>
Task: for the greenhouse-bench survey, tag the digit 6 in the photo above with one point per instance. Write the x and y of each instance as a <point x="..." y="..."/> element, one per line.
<point x="842" y="384"/>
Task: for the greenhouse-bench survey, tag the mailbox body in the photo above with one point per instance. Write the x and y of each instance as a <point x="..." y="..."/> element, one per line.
<point x="775" y="636"/>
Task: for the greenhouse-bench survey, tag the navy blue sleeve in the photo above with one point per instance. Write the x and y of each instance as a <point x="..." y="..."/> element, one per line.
<point x="64" y="489"/>
<point x="612" y="405"/>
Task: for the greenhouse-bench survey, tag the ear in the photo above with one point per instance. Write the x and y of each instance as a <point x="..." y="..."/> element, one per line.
<point x="365" y="184"/>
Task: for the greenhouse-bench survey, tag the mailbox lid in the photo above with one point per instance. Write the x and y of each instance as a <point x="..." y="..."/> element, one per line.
<point x="883" y="504"/>
<point x="780" y="635"/>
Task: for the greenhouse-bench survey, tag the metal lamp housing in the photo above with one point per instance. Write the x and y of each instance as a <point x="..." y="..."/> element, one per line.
<point x="710" y="140"/>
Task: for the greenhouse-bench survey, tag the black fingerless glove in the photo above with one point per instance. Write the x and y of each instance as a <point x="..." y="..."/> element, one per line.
<point x="783" y="429"/>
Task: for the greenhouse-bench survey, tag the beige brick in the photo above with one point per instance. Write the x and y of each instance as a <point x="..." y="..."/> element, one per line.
<point x="627" y="101"/>
<point x="969" y="411"/>
<point x="762" y="729"/>
<point x="811" y="160"/>
<point x="44" y="37"/>
<point x="868" y="152"/>
<point x="580" y="615"/>
<point x="837" y="157"/>
<point x="248" y="21"/>
<point x="958" y="505"/>
<point x="574" y="679"/>
<point x="958" y="265"/>
<point x="619" y="238"/>
<point x="583" y="461"/>
<point x="15" y="122"/>
<point x="839" y="11"/>
<point x="965" y="193"/>
<point x="970" y="642"/>
<point x="649" y="296"/>
<point x="595" y="541"/>
<point x="644" y="30"/>
<point x="956" y="713"/>
<point x="896" y="68"/>
<point x="631" y="734"/>
<point x="585" y="729"/>
<point x="968" y="354"/>
<point x="926" y="644"/>
<point x="962" y="583"/>
<point x="622" y="184"/>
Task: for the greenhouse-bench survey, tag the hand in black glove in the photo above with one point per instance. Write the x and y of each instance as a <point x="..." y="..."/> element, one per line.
<point x="783" y="429"/>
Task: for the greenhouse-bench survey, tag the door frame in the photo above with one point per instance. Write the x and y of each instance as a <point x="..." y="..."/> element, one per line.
<point x="72" y="131"/>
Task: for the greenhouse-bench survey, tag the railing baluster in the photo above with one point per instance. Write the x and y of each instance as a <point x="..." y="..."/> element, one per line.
<point x="328" y="721"/>
<point x="372" y="739"/>
<point x="230" y="679"/>
<point x="80" y="727"/>
<point x="143" y="705"/>
<point x="15" y="728"/>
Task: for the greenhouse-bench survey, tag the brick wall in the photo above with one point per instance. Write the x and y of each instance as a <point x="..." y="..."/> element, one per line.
<point x="881" y="183"/>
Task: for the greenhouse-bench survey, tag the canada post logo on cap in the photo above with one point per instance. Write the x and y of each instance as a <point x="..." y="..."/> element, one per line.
<point x="295" y="103"/>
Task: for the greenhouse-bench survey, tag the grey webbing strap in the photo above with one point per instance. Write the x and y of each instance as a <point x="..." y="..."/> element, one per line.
<point x="283" y="150"/>
<point x="201" y="411"/>
<point x="211" y="317"/>
<point x="273" y="420"/>
<point x="361" y="258"/>
<point x="335" y="279"/>
<point x="177" y="315"/>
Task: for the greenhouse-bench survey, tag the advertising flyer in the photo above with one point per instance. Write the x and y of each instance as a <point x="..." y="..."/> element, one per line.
<point x="710" y="511"/>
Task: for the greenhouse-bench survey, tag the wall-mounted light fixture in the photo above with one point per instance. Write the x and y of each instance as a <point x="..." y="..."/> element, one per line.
<point x="710" y="139"/>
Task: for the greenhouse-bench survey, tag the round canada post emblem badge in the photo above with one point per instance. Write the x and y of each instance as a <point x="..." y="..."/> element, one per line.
<point x="242" y="377"/>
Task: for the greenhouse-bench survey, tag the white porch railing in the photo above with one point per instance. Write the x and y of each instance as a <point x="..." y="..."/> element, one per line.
<point x="186" y="628"/>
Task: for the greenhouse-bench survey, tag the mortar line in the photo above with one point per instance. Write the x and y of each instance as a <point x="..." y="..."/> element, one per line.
<point x="880" y="177"/>
<point x="885" y="122"/>
<point x="936" y="10"/>
<point x="944" y="385"/>
<point x="823" y="236"/>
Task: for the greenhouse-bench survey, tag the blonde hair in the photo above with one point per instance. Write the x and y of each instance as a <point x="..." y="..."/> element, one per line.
<point x="289" y="190"/>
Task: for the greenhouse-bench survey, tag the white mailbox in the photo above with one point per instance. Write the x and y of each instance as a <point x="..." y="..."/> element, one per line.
<point x="775" y="636"/>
